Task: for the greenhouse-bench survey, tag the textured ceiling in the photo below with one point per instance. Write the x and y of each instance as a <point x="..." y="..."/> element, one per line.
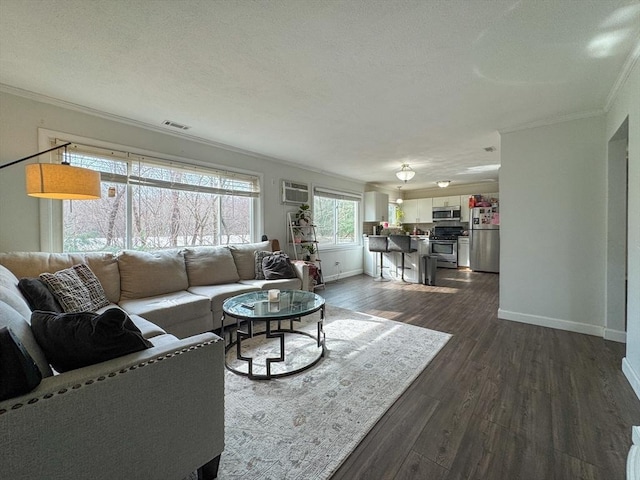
<point x="351" y="87"/>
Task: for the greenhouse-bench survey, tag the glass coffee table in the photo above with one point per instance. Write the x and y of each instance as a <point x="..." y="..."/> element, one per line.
<point x="271" y="338"/>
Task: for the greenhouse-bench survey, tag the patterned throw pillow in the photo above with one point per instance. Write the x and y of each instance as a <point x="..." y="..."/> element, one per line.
<point x="77" y="289"/>
<point x="259" y="255"/>
<point x="96" y="292"/>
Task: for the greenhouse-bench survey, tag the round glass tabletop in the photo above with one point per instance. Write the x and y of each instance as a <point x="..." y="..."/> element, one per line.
<point x="283" y="305"/>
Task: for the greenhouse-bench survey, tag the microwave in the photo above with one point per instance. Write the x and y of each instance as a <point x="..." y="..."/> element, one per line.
<point x="446" y="213"/>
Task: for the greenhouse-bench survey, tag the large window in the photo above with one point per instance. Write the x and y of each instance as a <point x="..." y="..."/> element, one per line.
<point x="151" y="204"/>
<point x="336" y="216"/>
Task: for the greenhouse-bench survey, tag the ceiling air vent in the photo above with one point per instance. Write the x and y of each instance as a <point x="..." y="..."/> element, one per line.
<point x="179" y="126"/>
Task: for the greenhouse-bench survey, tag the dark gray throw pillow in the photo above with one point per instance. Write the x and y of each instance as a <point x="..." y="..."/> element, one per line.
<point x="277" y="266"/>
<point x="18" y="372"/>
<point x="38" y="295"/>
<point x="75" y="340"/>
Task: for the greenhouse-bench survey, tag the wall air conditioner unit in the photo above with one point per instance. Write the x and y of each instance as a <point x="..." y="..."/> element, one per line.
<point x="294" y="193"/>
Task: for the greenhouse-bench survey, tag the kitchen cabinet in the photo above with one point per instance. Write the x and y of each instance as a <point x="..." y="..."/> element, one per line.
<point x="376" y="207"/>
<point x="464" y="208"/>
<point x="417" y="210"/>
<point x="463" y="252"/>
<point x="446" y="201"/>
<point x="392" y="261"/>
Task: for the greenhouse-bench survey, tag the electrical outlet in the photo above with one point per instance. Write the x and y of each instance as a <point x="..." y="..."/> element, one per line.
<point x="337" y="263"/>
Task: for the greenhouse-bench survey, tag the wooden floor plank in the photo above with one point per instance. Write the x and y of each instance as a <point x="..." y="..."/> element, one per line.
<point x="501" y="400"/>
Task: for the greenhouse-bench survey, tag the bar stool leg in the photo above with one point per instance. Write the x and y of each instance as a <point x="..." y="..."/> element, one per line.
<point x="381" y="277"/>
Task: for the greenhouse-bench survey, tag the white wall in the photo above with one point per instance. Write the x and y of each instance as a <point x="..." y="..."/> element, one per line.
<point x="627" y="105"/>
<point x="21" y="117"/>
<point x="553" y="204"/>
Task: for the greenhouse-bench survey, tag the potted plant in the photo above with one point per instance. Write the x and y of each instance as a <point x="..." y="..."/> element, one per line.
<point x="311" y="252"/>
<point x="303" y="215"/>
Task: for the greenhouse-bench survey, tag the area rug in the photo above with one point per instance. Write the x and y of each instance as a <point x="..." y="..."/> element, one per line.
<point x="304" y="426"/>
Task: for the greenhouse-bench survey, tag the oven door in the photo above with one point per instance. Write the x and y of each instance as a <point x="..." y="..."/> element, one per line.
<point x="447" y="252"/>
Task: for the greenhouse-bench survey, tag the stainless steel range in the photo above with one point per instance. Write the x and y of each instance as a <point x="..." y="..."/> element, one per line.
<point x="444" y="244"/>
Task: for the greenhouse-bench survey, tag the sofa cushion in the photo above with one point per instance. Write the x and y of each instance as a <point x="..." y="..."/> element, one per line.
<point x="171" y="310"/>
<point x="18" y="372"/>
<point x="210" y="266"/>
<point x="77" y="289"/>
<point x="147" y="274"/>
<point x="217" y="294"/>
<point x="38" y="295"/>
<point x="282" y="284"/>
<point x="75" y="340"/>
<point x="21" y="329"/>
<point x="31" y="264"/>
<point x="244" y="257"/>
<point x="14" y="300"/>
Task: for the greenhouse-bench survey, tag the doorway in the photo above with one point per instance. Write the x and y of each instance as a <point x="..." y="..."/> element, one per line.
<point x="617" y="248"/>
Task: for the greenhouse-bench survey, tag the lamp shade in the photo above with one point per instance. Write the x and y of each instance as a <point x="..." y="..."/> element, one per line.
<point x="62" y="182"/>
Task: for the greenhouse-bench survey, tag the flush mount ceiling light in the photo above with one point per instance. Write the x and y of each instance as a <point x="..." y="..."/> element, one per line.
<point x="60" y="181"/>
<point x="405" y="173"/>
<point x="443" y="183"/>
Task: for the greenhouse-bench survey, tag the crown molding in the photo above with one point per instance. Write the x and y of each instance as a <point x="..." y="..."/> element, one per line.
<point x="155" y="128"/>
<point x="553" y="120"/>
<point x="628" y="66"/>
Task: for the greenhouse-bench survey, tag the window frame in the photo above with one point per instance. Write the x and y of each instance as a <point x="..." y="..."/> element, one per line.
<point x="51" y="211"/>
<point x="341" y="195"/>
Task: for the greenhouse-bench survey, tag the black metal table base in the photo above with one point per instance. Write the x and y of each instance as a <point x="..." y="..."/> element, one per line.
<point x="277" y="333"/>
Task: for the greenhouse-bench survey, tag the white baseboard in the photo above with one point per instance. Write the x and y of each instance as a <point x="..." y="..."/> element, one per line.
<point x="350" y="273"/>
<point x="541" y="321"/>
<point x="615" y="335"/>
<point x="632" y="376"/>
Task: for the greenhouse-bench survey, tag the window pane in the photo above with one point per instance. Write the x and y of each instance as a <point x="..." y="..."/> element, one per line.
<point x="170" y="207"/>
<point x="236" y="219"/>
<point x="324" y="218"/>
<point x="336" y="220"/>
<point x="346" y="221"/>
<point x="96" y="225"/>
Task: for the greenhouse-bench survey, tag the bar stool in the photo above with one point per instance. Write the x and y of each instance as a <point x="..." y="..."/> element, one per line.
<point x="401" y="243"/>
<point x="379" y="243"/>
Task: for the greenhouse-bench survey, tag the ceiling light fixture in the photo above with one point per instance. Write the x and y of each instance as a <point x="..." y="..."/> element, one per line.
<point x="405" y="173"/>
<point x="443" y="183"/>
<point x="59" y="181"/>
<point x="399" y="200"/>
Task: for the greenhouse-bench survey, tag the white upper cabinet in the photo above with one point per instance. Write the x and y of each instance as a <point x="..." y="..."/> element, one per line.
<point x="446" y="201"/>
<point x="425" y="210"/>
<point x="376" y="207"/>
<point x="417" y="210"/>
<point x="464" y="208"/>
<point x="410" y="211"/>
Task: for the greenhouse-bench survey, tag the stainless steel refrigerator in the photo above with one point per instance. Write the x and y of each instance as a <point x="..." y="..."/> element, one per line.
<point x="484" y="239"/>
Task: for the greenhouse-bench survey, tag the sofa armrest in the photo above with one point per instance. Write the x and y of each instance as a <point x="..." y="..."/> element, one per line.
<point x="302" y="271"/>
<point x="158" y="413"/>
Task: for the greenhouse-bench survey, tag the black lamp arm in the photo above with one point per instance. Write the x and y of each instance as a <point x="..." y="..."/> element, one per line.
<point x="35" y="155"/>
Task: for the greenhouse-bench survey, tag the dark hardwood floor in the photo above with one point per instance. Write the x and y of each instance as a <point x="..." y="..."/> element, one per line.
<point x="502" y="400"/>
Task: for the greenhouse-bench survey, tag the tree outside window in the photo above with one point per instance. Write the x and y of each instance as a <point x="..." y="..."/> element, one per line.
<point x="336" y="220"/>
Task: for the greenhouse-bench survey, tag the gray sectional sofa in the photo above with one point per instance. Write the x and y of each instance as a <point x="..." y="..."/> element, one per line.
<point x="156" y="413"/>
<point x="179" y="290"/>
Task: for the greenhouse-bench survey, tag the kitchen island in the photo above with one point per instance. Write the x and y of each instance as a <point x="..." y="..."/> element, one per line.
<point x="392" y="261"/>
